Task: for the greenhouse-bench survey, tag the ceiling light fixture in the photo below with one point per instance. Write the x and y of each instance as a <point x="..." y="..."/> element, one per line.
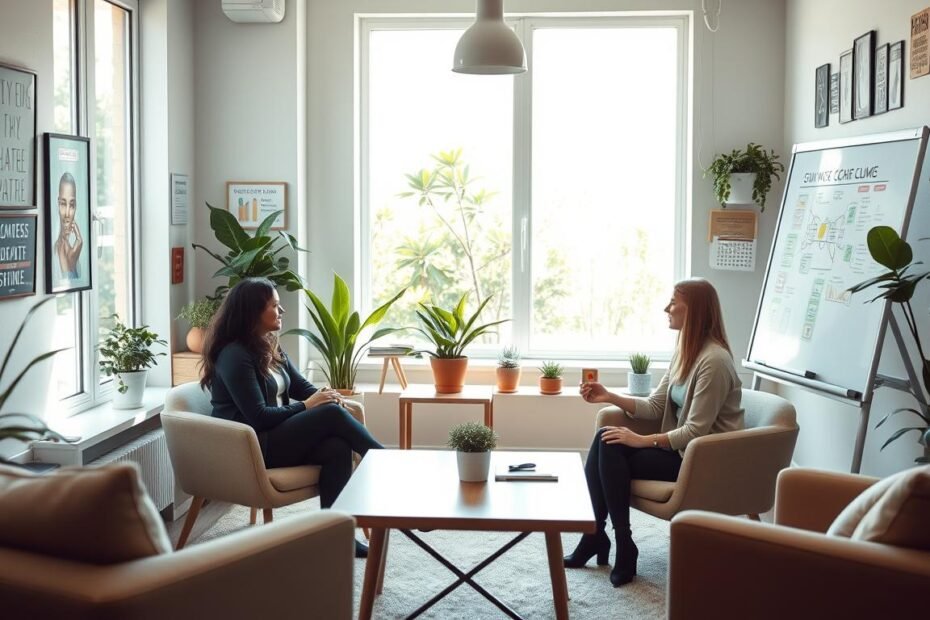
<point x="489" y="46"/>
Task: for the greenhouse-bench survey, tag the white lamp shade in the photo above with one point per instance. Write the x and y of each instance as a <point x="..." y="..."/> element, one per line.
<point x="489" y="46"/>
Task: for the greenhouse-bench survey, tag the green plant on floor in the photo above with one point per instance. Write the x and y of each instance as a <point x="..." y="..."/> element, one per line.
<point x="127" y="349"/>
<point x="472" y="437"/>
<point x="639" y="363"/>
<point x="755" y="159"/>
<point x="509" y="357"/>
<point x="199" y="313"/>
<point x="449" y="331"/>
<point x="551" y="370"/>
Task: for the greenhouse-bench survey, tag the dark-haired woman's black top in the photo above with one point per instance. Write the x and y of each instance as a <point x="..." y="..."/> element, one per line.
<point x="241" y="393"/>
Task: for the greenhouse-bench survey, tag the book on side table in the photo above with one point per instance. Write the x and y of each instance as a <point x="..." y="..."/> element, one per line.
<point x="505" y="474"/>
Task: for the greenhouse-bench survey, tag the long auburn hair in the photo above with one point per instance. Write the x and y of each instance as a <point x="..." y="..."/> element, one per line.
<point x="237" y="320"/>
<point x="703" y="323"/>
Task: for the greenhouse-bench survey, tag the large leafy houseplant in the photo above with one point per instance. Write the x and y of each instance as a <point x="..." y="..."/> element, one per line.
<point x="127" y="349"/>
<point x="449" y="331"/>
<point x="898" y="285"/>
<point x="251" y="256"/>
<point x="754" y="160"/>
<point x="338" y="333"/>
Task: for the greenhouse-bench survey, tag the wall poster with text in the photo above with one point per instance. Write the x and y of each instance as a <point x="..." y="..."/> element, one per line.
<point x="67" y="213"/>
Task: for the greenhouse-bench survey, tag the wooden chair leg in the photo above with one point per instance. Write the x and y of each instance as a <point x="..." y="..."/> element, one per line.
<point x="266" y="514"/>
<point x="253" y="515"/>
<point x="754" y="516"/>
<point x="367" y="533"/>
<point x="196" y="505"/>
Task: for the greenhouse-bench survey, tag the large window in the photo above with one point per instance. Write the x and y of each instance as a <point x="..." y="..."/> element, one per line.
<point x="559" y="193"/>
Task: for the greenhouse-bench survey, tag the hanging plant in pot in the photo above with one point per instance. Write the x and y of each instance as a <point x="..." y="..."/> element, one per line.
<point x="125" y="352"/>
<point x="450" y="332"/>
<point x="744" y="177"/>
<point x="473" y="443"/>
<point x="198" y="314"/>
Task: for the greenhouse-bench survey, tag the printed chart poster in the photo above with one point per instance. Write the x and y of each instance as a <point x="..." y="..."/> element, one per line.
<point x="17" y="138"/>
<point x="17" y="255"/>
<point x="67" y="203"/>
<point x="252" y="202"/>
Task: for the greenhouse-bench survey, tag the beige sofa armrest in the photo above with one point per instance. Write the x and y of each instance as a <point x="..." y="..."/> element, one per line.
<point x="615" y="416"/>
<point x="728" y="567"/>
<point x="810" y="499"/>
<point x="294" y="568"/>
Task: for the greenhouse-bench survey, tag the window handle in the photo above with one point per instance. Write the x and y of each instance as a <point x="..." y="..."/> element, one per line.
<point x="523" y="239"/>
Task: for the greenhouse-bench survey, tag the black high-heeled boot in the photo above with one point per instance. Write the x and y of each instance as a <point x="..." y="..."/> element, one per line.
<point x="361" y="550"/>
<point x="625" y="565"/>
<point x="590" y="545"/>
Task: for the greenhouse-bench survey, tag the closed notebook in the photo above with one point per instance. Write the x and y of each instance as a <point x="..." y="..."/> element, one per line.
<point x="504" y="474"/>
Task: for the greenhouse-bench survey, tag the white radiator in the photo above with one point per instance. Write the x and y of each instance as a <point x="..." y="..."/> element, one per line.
<point x="150" y="451"/>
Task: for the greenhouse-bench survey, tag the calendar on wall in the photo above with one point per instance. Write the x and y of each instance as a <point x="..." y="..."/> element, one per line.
<point x="733" y="254"/>
<point x="732" y="237"/>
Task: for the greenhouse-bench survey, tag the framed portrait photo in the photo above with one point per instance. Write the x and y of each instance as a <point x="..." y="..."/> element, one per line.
<point x="863" y="59"/>
<point x="881" y="79"/>
<point x="822" y="96"/>
<point x="67" y="213"/>
<point x="896" y="75"/>
<point x="846" y="86"/>
<point x="17" y="255"/>
<point x="253" y="201"/>
<point x="17" y="138"/>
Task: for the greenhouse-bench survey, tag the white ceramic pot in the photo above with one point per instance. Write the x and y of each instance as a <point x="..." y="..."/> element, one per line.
<point x="741" y="188"/>
<point x="135" y="384"/>
<point x="639" y="385"/>
<point x="473" y="466"/>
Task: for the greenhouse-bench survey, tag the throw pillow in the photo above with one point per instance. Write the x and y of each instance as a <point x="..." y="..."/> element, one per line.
<point x="99" y="515"/>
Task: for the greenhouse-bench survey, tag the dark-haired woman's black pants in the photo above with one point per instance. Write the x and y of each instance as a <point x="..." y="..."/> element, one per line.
<point x="327" y="436"/>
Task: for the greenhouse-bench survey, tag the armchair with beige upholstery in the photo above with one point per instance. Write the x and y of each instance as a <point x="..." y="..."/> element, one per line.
<point x="726" y="567"/>
<point x="221" y="460"/>
<point x="731" y="473"/>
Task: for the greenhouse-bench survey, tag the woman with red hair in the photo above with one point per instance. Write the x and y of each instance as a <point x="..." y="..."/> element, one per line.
<point x="699" y="395"/>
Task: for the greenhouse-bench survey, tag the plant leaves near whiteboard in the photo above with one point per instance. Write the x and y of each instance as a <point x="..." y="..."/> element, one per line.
<point x="888" y="249"/>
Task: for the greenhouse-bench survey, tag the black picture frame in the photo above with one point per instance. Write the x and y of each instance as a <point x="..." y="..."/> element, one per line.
<point x="846" y="86"/>
<point x="863" y="61"/>
<point x="822" y="96"/>
<point x="881" y="79"/>
<point x="18" y="137"/>
<point x="834" y="93"/>
<point x="17" y="254"/>
<point x="896" y="75"/>
<point x="67" y="214"/>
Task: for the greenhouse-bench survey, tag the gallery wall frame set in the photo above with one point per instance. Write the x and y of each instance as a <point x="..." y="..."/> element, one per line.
<point x="870" y="81"/>
<point x="17" y="137"/>
<point x="67" y="213"/>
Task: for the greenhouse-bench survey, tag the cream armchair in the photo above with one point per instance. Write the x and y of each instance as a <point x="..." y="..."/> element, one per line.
<point x="732" y="473"/>
<point x="726" y="567"/>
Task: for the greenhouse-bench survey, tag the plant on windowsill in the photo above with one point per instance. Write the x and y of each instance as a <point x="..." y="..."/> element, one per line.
<point x="735" y="172"/>
<point x="892" y="252"/>
<point x="639" y="379"/>
<point x="508" y="370"/>
<point x="550" y="382"/>
<point x="126" y="353"/>
<point x="450" y="332"/>
<point x="473" y="443"/>
<point x="338" y="334"/>
<point x="198" y="313"/>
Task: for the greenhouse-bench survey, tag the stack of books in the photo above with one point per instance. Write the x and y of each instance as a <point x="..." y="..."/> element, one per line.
<point x="393" y="350"/>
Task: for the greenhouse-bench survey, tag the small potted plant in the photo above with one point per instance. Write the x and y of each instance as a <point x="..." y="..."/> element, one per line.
<point x="125" y="352"/>
<point x="639" y="379"/>
<point x="198" y="314"/>
<point x="508" y="370"/>
<point x="473" y="443"/>
<point x="744" y="177"/>
<point x="551" y="380"/>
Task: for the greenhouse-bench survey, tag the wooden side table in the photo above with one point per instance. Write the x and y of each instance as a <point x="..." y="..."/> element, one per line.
<point x="394" y="361"/>
<point x="185" y="367"/>
<point x="470" y="395"/>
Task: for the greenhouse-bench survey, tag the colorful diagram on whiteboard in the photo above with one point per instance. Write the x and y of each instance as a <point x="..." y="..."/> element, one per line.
<point x="825" y="237"/>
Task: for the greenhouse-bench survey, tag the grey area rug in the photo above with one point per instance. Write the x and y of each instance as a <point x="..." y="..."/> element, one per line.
<point x="520" y="578"/>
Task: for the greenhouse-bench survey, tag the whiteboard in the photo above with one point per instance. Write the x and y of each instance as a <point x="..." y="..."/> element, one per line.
<point x="807" y="323"/>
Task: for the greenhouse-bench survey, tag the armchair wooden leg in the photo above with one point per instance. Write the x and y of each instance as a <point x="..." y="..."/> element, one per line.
<point x="196" y="505"/>
<point x="266" y="514"/>
<point x="253" y="515"/>
<point x="754" y="516"/>
<point x="367" y="533"/>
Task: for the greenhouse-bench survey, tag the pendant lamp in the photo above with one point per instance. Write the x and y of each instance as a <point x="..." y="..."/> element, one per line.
<point x="489" y="46"/>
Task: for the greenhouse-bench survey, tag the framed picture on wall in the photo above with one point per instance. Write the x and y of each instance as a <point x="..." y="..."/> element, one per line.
<point x="834" y="93"/>
<point x="863" y="59"/>
<point x="881" y="79"/>
<point x="846" y="86"/>
<point x="252" y="201"/>
<point x="896" y="75"/>
<point x="822" y="96"/>
<point x="67" y="213"/>
<point x="17" y="255"/>
<point x="17" y="138"/>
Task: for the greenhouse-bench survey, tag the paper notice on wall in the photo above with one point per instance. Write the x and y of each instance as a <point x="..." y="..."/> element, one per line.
<point x="732" y="236"/>
<point x="920" y="43"/>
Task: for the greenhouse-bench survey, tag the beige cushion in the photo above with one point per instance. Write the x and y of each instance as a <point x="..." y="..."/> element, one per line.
<point x="292" y="478"/>
<point x="893" y="511"/>
<point x="654" y="490"/>
<point x="98" y="515"/>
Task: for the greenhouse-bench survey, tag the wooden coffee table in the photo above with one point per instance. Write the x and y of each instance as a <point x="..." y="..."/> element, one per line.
<point x="420" y="489"/>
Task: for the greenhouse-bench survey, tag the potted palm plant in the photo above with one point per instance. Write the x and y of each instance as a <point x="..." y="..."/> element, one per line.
<point x="550" y="382"/>
<point x="744" y="177"/>
<point x="508" y="370"/>
<point x="126" y="352"/>
<point x="639" y="379"/>
<point x="450" y="332"/>
<point x="198" y="314"/>
<point x="338" y="333"/>
<point x="473" y="443"/>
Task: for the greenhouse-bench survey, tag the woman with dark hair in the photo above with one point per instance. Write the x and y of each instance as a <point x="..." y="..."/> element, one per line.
<point x="699" y="395"/>
<point x="254" y="382"/>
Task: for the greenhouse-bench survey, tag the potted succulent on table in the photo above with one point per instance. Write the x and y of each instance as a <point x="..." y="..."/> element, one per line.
<point x="551" y="380"/>
<point x="508" y="370"/>
<point x="473" y="443"/>
<point x="126" y="353"/>
<point x="744" y="177"/>
<point x="639" y="379"/>
<point x="450" y="332"/>
<point x="198" y="314"/>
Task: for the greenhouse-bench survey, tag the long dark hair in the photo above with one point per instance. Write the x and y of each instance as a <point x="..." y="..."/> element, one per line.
<point x="703" y="323"/>
<point x="237" y="320"/>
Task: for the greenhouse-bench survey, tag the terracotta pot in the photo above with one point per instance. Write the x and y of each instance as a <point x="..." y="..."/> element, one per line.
<point x="508" y="380"/>
<point x="195" y="339"/>
<point x="346" y="392"/>
<point x="550" y="386"/>
<point x="449" y="374"/>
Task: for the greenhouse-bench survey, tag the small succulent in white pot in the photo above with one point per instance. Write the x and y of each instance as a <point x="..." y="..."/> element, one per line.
<point x="639" y="379"/>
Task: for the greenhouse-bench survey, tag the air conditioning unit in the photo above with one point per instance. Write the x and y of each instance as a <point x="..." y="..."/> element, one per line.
<point x="254" y="11"/>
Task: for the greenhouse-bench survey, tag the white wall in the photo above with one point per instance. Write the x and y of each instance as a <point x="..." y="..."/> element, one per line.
<point x="817" y="31"/>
